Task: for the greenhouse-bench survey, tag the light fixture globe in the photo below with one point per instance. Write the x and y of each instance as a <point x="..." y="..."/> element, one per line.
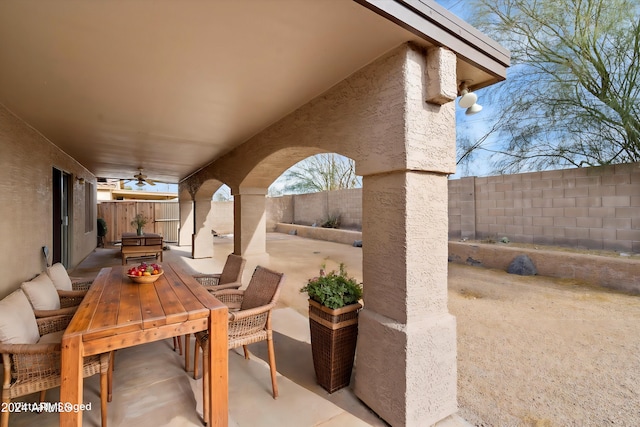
<point x="475" y="108"/>
<point x="467" y="99"/>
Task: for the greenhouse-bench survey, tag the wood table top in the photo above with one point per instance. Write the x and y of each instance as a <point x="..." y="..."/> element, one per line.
<point x="114" y="305"/>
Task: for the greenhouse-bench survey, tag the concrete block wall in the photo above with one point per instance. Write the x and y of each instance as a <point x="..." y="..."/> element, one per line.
<point x="307" y="209"/>
<point x="221" y="215"/>
<point x="310" y="208"/>
<point x="347" y="204"/>
<point x="593" y="208"/>
<point x="279" y="209"/>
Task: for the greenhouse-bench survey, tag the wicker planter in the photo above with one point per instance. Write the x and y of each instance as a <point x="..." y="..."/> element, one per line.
<point x="333" y="343"/>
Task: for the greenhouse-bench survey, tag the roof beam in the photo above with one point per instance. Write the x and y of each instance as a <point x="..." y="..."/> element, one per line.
<point x="433" y="23"/>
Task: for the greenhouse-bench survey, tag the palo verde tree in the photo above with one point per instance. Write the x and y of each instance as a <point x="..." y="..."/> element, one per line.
<point x="322" y="172"/>
<point x="572" y="95"/>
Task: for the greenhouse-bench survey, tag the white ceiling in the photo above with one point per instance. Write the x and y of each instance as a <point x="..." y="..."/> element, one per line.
<point x="172" y="85"/>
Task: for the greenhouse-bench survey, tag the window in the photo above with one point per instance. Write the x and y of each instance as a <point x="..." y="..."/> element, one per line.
<point x="89" y="205"/>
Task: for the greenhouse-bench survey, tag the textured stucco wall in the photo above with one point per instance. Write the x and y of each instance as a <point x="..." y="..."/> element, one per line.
<point x="26" y="162"/>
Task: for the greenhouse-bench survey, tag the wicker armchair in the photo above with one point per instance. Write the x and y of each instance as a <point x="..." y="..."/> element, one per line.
<point x="230" y="278"/>
<point x="29" y="368"/>
<point x="249" y="321"/>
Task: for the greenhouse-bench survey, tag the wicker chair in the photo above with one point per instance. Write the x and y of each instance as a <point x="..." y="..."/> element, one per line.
<point x="230" y="278"/>
<point x="29" y="368"/>
<point x="249" y="321"/>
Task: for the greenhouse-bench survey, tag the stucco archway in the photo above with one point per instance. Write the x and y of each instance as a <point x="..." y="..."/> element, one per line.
<point x="195" y="216"/>
<point x="404" y="147"/>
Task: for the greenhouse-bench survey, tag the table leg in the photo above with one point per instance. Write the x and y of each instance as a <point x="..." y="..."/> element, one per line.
<point x="71" y="379"/>
<point x="218" y="364"/>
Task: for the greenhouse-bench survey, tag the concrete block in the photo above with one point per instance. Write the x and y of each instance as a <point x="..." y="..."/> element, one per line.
<point x="576" y="233"/>
<point x="589" y="222"/>
<point x="621" y="201"/>
<point x="617" y="179"/>
<point x="617" y="223"/>
<point x="564" y="203"/>
<point x="576" y="212"/>
<point x="602" y="234"/>
<point x="555" y="211"/>
<point x="576" y="192"/>
<point x="602" y="212"/>
<point x="562" y="221"/>
<point x="543" y="220"/>
<point x="627" y="190"/>
<point x="591" y="181"/>
<point x="539" y="202"/>
<point x="631" y="235"/>
<point x="589" y="202"/>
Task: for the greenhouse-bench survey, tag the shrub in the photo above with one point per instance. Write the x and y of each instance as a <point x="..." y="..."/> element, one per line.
<point x="333" y="290"/>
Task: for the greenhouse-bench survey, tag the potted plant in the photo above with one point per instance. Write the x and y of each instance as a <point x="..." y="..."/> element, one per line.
<point x="102" y="231"/>
<point x="139" y="221"/>
<point x="333" y="322"/>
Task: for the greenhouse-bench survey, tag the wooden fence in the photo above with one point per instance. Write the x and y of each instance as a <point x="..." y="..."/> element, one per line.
<point x="163" y="218"/>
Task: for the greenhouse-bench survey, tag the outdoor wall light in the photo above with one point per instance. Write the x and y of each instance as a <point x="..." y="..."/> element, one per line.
<point x="80" y="180"/>
<point x="468" y="100"/>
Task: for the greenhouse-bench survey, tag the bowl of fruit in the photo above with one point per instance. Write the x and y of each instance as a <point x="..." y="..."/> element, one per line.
<point x="145" y="273"/>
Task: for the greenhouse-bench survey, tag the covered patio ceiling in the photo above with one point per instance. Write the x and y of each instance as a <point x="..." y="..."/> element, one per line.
<point x="171" y="86"/>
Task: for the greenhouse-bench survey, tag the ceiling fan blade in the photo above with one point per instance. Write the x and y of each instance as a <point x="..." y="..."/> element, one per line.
<point x="150" y="182"/>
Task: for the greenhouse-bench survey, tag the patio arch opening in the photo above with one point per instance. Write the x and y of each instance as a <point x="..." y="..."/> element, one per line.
<point x="404" y="148"/>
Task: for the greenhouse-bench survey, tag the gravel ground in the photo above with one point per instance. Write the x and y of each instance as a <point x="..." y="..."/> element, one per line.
<point x="536" y="351"/>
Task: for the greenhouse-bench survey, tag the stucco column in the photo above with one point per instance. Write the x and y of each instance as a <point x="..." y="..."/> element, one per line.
<point x="186" y="222"/>
<point x="203" y="237"/>
<point x="406" y="356"/>
<point x="405" y="367"/>
<point x="250" y="224"/>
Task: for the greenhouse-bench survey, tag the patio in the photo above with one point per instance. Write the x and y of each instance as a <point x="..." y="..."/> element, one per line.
<point x="509" y="327"/>
<point x="151" y="387"/>
<point x="373" y="81"/>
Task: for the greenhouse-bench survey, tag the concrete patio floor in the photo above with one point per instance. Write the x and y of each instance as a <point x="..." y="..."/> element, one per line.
<point x="152" y="389"/>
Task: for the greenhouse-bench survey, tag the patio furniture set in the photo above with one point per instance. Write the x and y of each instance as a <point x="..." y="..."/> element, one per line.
<point x="135" y="246"/>
<point x="54" y="332"/>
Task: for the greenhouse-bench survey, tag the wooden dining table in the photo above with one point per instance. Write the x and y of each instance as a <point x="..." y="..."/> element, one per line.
<point x="117" y="313"/>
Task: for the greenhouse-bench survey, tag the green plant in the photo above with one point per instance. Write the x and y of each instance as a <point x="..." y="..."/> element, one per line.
<point x="102" y="227"/>
<point x="335" y="289"/>
<point x="332" y="221"/>
<point x="139" y="221"/>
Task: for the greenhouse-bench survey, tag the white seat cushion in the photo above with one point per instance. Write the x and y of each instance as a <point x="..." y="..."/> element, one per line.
<point x="60" y="277"/>
<point x="41" y="293"/>
<point x="17" y="321"/>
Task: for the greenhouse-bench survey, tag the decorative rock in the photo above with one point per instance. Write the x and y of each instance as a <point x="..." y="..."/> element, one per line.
<point x="522" y="265"/>
<point x="473" y="262"/>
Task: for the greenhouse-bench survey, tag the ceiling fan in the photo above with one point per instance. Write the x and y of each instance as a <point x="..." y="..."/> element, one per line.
<point x="142" y="179"/>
